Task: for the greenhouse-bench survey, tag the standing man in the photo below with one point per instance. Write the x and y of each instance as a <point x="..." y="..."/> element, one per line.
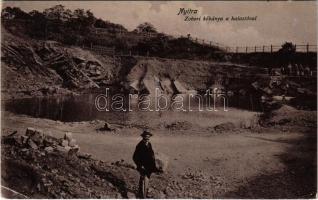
<point x="144" y="158"/>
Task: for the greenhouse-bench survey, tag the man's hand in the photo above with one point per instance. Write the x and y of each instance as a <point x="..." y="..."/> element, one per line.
<point x="140" y="168"/>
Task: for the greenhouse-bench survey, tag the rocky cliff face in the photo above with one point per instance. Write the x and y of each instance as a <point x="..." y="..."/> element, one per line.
<point x="36" y="68"/>
<point x="185" y="76"/>
<point x="41" y="68"/>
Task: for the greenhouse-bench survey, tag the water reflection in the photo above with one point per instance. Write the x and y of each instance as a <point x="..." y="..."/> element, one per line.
<point x="82" y="108"/>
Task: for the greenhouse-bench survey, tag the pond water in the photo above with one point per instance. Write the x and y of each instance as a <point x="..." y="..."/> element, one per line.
<point x="136" y="109"/>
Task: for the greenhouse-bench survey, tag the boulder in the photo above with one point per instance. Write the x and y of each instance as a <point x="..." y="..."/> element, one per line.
<point x="162" y="161"/>
<point x="84" y="155"/>
<point x="162" y="195"/>
<point x="12" y="134"/>
<point x="68" y="136"/>
<point x="32" y="144"/>
<point x="30" y="131"/>
<point x="179" y="87"/>
<point x="24" y="139"/>
<point x="107" y="127"/>
<point x="72" y="143"/>
<point x="135" y="85"/>
<point x="61" y="149"/>
<point x="98" y="72"/>
<point x="151" y="85"/>
<point x="64" y="143"/>
<point x="76" y="148"/>
<point x="67" y="148"/>
<point x="18" y="140"/>
<point x="179" y="125"/>
<point x="12" y="140"/>
<point x="131" y="195"/>
<point x="167" y="86"/>
<point x="48" y="149"/>
<point x="48" y="141"/>
<point x="38" y="137"/>
<point x="246" y="124"/>
<point x="224" y="127"/>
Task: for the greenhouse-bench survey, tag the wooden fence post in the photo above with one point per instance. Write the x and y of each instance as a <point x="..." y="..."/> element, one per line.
<point x="271" y="48"/>
<point x="236" y="49"/>
<point x="255" y="49"/>
<point x="246" y="49"/>
<point x="263" y="48"/>
<point x="307" y="47"/>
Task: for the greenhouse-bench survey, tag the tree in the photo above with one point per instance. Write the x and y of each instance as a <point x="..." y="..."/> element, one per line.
<point x="156" y="46"/>
<point x="145" y="28"/>
<point x="79" y="13"/>
<point x="58" y="12"/>
<point x="111" y="27"/>
<point x="90" y="19"/>
<point x="288" y="47"/>
<point x="39" y="24"/>
<point x="14" y="13"/>
<point x="82" y="20"/>
<point x="287" y="53"/>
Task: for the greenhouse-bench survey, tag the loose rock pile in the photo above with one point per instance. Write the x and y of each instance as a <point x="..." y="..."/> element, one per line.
<point x="35" y="139"/>
<point x="38" y="165"/>
<point x="228" y="126"/>
<point x="178" y="125"/>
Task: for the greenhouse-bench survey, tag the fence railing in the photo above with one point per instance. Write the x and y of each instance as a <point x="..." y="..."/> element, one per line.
<point x="251" y="49"/>
<point x="100" y="32"/>
<point x="101" y="49"/>
<point x="202" y="41"/>
<point x="236" y="49"/>
<point x="270" y="48"/>
<point x="133" y="34"/>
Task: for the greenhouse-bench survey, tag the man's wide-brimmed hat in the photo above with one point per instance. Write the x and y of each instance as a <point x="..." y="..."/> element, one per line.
<point x="146" y="133"/>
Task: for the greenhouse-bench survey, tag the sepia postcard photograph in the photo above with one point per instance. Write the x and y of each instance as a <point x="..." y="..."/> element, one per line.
<point x="158" y="99"/>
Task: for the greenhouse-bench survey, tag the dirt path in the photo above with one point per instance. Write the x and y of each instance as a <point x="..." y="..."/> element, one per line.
<point x="234" y="159"/>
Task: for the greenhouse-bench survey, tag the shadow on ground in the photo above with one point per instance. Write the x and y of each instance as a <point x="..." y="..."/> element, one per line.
<point x="298" y="180"/>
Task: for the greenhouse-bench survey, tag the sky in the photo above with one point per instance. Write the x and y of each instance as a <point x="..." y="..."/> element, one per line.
<point x="276" y="23"/>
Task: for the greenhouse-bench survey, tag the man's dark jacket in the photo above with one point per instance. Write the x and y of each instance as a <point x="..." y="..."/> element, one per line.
<point x="144" y="157"/>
